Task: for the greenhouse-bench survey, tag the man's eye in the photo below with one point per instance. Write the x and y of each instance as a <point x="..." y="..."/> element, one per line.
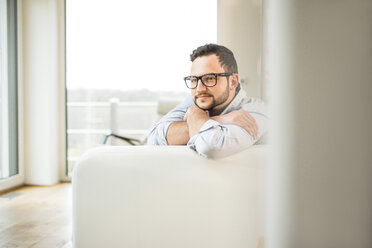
<point x="209" y="78"/>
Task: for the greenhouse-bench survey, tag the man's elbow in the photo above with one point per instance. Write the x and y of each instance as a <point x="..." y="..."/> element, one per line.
<point x="219" y="146"/>
<point x="156" y="137"/>
<point x="150" y="140"/>
<point x="208" y="152"/>
<point x="212" y="149"/>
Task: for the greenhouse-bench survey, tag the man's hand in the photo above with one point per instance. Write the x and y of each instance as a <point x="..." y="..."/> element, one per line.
<point x="240" y="118"/>
<point x="194" y="112"/>
<point x="195" y="118"/>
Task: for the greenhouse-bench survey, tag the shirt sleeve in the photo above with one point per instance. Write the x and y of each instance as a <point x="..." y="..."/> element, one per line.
<point x="158" y="133"/>
<point x="215" y="140"/>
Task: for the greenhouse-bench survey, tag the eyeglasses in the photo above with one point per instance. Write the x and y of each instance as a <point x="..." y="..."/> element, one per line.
<point x="209" y="80"/>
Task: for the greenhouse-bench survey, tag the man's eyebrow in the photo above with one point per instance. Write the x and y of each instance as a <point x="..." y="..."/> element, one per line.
<point x="210" y="73"/>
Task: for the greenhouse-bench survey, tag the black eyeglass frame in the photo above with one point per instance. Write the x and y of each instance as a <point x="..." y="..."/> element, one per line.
<point x="224" y="74"/>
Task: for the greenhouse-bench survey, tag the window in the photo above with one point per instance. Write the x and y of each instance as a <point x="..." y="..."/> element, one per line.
<point x="8" y="90"/>
<point x="122" y="57"/>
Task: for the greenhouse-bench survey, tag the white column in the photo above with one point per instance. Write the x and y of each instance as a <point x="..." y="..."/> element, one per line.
<point x="319" y="69"/>
<point x="42" y="63"/>
<point x="278" y="71"/>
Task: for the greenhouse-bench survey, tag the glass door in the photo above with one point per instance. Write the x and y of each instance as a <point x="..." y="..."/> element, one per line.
<point x="9" y="169"/>
<point x="123" y="58"/>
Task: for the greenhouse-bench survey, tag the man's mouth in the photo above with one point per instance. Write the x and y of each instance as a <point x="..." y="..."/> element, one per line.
<point x="203" y="96"/>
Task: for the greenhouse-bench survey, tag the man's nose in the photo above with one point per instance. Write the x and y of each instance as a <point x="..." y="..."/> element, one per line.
<point x="200" y="86"/>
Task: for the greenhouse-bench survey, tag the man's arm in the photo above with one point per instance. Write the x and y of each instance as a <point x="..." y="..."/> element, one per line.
<point x="178" y="133"/>
<point x="195" y="119"/>
<point x="214" y="139"/>
<point x="240" y="118"/>
<point x="169" y="130"/>
<point x="172" y="129"/>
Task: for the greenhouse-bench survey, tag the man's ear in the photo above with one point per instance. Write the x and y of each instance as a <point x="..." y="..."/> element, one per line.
<point x="234" y="81"/>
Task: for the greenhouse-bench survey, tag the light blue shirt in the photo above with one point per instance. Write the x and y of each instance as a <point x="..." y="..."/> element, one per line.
<point x="214" y="139"/>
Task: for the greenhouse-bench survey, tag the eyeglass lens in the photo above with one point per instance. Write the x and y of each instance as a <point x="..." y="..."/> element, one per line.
<point x="208" y="80"/>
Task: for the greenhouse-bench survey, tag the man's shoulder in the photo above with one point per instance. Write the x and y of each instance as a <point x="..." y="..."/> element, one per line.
<point x="251" y="100"/>
<point x="243" y="101"/>
<point x="251" y="103"/>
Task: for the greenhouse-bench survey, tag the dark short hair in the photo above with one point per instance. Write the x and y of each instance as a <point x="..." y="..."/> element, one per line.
<point x="225" y="56"/>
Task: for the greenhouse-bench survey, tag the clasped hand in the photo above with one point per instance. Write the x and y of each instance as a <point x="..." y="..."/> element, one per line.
<point x="237" y="117"/>
<point x="240" y="118"/>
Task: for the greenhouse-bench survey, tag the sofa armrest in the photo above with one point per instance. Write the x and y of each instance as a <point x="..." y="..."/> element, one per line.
<point x="167" y="196"/>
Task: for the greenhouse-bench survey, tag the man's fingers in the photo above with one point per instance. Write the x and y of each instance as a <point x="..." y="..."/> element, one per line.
<point x="253" y="132"/>
<point x="243" y="119"/>
<point x="255" y="128"/>
<point x="249" y="128"/>
<point x="252" y="128"/>
<point x="250" y="117"/>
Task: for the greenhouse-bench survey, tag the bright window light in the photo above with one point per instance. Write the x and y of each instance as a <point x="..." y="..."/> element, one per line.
<point x="123" y="57"/>
<point x="131" y="45"/>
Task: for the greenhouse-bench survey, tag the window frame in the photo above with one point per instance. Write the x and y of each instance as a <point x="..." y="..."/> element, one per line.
<point x="11" y="18"/>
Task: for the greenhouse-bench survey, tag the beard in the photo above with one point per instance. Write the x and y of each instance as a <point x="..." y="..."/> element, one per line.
<point x="216" y="101"/>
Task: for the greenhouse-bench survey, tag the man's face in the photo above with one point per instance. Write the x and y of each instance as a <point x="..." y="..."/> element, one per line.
<point x="211" y="98"/>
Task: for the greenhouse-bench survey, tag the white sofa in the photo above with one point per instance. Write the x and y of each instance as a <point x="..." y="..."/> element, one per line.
<point x="168" y="197"/>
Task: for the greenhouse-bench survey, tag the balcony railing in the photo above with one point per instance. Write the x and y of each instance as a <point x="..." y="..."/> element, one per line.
<point x="88" y="122"/>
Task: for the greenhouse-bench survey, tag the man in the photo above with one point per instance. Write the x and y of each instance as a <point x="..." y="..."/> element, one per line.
<point x="218" y="119"/>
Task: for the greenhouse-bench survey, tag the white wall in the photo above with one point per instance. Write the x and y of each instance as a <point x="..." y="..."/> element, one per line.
<point x="319" y="70"/>
<point x="43" y="81"/>
<point x="240" y="29"/>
